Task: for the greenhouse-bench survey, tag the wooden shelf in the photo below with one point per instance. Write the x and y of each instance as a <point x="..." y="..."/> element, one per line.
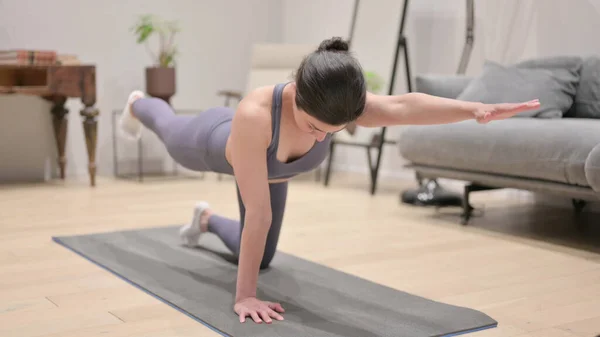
<point x="32" y="89"/>
<point x="57" y="83"/>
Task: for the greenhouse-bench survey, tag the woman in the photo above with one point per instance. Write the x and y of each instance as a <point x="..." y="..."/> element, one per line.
<point x="276" y="133"/>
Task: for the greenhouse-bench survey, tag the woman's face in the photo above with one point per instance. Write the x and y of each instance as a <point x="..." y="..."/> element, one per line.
<point x="310" y="124"/>
<point x="313" y="126"/>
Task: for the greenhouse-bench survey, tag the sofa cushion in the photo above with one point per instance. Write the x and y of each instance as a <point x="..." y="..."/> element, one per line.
<point x="547" y="149"/>
<point x="553" y="81"/>
<point x="448" y="86"/>
<point x="570" y="63"/>
<point x="587" y="99"/>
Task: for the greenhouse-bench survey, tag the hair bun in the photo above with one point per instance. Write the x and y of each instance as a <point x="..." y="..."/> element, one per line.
<point x="333" y="44"/>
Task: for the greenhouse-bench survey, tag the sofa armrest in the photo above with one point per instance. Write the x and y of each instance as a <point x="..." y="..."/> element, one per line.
<point x="448" y="86"/>
<point x="592" y="168"/>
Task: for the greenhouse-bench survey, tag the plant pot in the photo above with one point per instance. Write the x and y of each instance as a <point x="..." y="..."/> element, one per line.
<point x="160" y="82"/>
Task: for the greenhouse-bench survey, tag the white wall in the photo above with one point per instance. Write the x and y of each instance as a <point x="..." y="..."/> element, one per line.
<point x="568" y="27"/>
<point x="309" y="21"/>
<point x="27" y="149"/>
<point x="214" y="54"/>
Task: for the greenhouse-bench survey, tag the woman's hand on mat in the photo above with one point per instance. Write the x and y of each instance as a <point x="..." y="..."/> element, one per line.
<point x="259" y="310"/>
<point x="489" y="112"/>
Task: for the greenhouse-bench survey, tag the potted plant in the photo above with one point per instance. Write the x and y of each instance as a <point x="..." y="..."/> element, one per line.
<point x="374" y="82"/>
<point x="160" y="77"/>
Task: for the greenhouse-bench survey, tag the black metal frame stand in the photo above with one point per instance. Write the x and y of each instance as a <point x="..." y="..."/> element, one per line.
<point x="462" y="67"/>
<point x="470" y="37"/>
<point x="379" y="140"/>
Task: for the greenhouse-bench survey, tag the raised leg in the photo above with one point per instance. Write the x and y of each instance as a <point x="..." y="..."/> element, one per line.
<point x="90" y="128"/>
<point x="59" y="121"/>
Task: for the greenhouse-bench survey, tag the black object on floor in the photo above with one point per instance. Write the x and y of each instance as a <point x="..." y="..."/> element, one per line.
<point x="431" y="194"/>
<point x="319" y="301"/>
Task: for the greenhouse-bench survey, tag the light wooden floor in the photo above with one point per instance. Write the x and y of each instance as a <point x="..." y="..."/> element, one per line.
<point x="527" y="267"/>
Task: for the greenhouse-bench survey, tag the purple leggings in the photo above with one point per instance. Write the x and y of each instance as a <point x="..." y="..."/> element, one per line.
<point x="198" y="143"/>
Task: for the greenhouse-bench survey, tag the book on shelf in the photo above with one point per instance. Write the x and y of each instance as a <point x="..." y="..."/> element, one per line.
<point x="36" y="57"/>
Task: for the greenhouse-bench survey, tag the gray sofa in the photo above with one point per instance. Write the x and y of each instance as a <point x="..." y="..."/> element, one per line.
<point x="555" y="149"/>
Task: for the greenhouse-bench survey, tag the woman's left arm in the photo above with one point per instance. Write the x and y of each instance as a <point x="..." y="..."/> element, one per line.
<point x="422" y="109"/>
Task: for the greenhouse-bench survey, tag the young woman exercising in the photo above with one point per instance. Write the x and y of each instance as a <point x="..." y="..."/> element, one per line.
<point x="276" y="133"/>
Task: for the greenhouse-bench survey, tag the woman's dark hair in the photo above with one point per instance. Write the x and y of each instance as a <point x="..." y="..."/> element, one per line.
<point x="330" y="84"/>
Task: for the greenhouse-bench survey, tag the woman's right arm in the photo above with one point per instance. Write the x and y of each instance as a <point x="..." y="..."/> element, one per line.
<point x="250" y="137"/>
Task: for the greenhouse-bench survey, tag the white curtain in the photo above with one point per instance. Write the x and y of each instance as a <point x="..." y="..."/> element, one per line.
<point x="508" y="29"/>
<point x="511" y="30"/>
<point x="596" y="4"/>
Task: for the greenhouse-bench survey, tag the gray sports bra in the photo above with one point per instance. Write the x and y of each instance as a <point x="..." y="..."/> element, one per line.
<point x="309" y="161"/>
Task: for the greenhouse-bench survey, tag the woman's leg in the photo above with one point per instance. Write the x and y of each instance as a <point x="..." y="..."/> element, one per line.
<point x="229" y="230"/>
<point x="186" y="137"/>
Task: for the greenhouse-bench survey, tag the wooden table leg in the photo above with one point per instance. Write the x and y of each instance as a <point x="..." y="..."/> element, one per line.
<point x="72" y="82"/>
<point x="90" y="128"/>
<point x="59" y="120"/>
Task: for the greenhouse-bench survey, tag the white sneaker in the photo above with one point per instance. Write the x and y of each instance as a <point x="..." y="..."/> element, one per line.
<point x="190" y="233"/>
<point x="129" y="126"/>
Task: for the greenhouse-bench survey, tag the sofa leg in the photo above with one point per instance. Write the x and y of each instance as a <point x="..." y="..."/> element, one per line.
<point x="467" y="208"/>
<point x="581" y="224"/>
<point x="419" y="179"/>
<point x="579" y="205"/>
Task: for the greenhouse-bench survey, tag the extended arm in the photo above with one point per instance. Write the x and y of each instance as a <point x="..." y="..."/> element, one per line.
<point x="250" y="168"/>
<point x="420" y="108"/>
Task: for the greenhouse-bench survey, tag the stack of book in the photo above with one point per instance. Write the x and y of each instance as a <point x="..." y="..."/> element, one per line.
<point x="36" y="57"/>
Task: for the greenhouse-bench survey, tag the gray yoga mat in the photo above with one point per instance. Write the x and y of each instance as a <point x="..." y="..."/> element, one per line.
<point x="319" y="301"/>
